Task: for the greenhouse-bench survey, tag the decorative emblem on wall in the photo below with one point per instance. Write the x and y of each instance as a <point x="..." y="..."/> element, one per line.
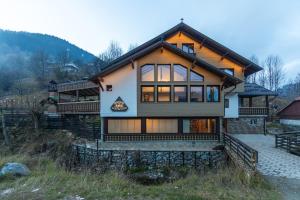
<point x="119" y="106"/>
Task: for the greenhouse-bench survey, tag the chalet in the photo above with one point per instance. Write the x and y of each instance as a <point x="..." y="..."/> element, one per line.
<point x="180" y="85"/>
<point x="290" y="115"/>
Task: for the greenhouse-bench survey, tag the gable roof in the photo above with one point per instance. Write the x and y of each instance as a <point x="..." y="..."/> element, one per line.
<point x="252" y="89"/>
<point x="291" y="111"/>
<point x="230" y="80"/>
<point x="205" y="40"/>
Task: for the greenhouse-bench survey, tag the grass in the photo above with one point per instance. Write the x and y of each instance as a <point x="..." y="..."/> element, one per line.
<point x="54" y="182"/>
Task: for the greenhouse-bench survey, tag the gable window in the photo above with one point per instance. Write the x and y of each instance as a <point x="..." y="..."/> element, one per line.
<point x="163" y="93"/>
<point x="196" y="77"/>
<point x="180" y="94"/>
<point x="147" y="93"/>
<point x="228" y="71"/>
<point x="147" y="72"/>
<point x="196" y="94"/>
<point x="163" y="73"/>
<point x="174" y="45"/>
<point x="180" y="73"/>
<point x="188" y="48"/>
<point x="213" y="93"/>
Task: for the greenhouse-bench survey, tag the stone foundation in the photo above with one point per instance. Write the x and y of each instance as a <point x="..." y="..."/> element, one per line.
<point x="246" y="125"/>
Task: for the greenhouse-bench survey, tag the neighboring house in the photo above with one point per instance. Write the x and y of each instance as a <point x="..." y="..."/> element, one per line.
<point x="290" y="115"/>
<point x="179" y="85"/>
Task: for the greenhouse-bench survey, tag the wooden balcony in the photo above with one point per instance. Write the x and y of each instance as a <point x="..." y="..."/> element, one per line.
<point x="253" y="111"/>
<point x="76" y="85"/>
<point x="85" y="107"/>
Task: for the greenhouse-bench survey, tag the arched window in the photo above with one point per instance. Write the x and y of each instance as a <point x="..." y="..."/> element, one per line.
<point x="196" y="77"/>
<point x="180" y="73"/>
<point x="147" y="72"/>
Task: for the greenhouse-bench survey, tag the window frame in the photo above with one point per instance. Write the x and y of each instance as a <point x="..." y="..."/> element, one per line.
<point x="174" y="44"/>
<point x="157" y="66"/>
<point x="186" y="93"/>
<point x="173" y="71"/>
<point x="157" y="94"/>
<point x="190" y="44"/>
<point x="194" y="81"/>
<point x="141" y="98"/>
<point x="202" y="86"/>
<point x="141" y="74"/>
<point x="219" y="94"/>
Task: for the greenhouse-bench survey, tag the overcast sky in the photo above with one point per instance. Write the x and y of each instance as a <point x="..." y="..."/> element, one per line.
<point x="247" y="27"/>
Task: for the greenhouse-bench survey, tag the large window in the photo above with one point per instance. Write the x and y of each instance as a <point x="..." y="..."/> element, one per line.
<point x="163" y="93"/>
<point x="162" y="125"/>
<point x="147" y="93"/>
<point x="124" y="126"/>
<point x="147" y="73"/>
<point x="188" y="48"/>
<point x="196" y="77"/>
<point x="180" y="73"/>
<point x="213" y="93"/>
<point x="180" y="94"/>
<point x="163" y="73"/>
<point x="199" y="126"/>
<point x="196" y="94"/>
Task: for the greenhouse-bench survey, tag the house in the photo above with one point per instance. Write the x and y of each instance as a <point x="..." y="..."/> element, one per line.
<point x="290" y="115"/>
<point x="180" y="85"/>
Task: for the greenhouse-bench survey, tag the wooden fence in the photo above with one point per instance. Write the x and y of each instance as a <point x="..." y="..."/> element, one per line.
<point x="289" y="141"/>
<point x="253" y="111"/>
<point x="240" y="152"/>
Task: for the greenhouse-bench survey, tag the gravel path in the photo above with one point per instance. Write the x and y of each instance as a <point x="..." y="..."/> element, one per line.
<point x="279" y="167"/>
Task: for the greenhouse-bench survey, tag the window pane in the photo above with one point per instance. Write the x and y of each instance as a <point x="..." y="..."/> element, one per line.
<point x="199" y="126"/>
<point x="229" y="71"/>
<point x="196" y="93"/>
<point x="124" y="126"/>
<point x="147" y="73"/>
<point x="163" y="93"/>
<point x="161" y="125"/>
<point x="196" y="77"/>
<point x="163" y="73"/>
<point x="188" y="48"/>
<point x="147" y="93"/>
<point x="180" y="94"/>
<point x="212" y="93"/>
<point x="180" y="73"/>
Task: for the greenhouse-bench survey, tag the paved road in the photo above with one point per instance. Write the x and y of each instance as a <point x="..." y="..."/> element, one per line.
<point x="279" y="167"/>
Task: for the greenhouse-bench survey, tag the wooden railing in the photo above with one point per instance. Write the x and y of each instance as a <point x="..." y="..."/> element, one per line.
<point x="289" y="141"/>
<point x="241" y="152"/>
<point x="76" y="85"/>
<point x="253" y="111"/>
<point x="159" y="136"/>
<point x="87" y="107"/>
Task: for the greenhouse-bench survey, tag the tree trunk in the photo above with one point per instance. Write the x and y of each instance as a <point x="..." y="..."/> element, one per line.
<point x="5" y="134"/>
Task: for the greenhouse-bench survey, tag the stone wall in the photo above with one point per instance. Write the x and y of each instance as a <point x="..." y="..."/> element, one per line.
<point x="123" y="159"/>
<point x="246" y="125"/>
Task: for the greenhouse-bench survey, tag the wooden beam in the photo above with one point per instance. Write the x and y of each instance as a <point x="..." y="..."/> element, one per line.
<point x="202" y="43"/>
<point x="193" y="64"/>
<point x="244" y="69"/>
<point x="132" y="64"/>
<point x="223" y="56"/>
<point x="161" y="50"/>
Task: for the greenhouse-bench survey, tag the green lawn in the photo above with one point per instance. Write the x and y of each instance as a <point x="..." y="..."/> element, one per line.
<point x="48" y="181"/>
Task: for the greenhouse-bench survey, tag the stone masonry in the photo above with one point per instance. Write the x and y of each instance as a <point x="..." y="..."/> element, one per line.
<point x="246" y="125"/>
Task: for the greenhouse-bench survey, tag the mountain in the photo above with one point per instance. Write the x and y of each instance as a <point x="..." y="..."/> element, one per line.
<point x="28" y="43"/>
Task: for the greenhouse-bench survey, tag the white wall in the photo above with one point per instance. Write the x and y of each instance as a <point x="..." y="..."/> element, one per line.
<point x="290" y="122"/>
<point x="233" y="110"/>
<point x="124" y="85"/>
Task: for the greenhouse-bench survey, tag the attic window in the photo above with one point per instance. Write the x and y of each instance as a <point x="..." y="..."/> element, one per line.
<point x="228" y="71"/>
<point x="196" y="77"/>
<point x="108" y="88"/>
<point x="174" y="45"/>
<point x="188" y="48"/>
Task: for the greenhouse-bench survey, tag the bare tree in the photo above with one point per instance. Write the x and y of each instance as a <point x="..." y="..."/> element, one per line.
<point x="253" y="77"/>
<point x="274" y="72"/>
<point x="38" y="66"/>
<point x="132" y="46"/>
<point x="261" y="79"/>
<point x="113" y="52"/>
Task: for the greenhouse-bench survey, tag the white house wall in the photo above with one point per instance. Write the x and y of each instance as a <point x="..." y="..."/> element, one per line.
<point x="124" y="85"/>
<point x="233" y="110"/>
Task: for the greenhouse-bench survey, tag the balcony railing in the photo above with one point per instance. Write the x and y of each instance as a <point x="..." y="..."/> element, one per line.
<point x="253" y="111"/>
<point x="76" y="85"/>
<point x="86" y="107"/>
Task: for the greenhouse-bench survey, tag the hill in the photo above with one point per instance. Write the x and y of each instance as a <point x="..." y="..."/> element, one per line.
<point x="28" y="43"/>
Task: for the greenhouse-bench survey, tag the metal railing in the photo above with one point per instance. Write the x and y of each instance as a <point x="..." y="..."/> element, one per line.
<point x="253" y="111"/>
<point x="289" y="141"/>
<point x="79" y="107"/>
<point x="160" y="136"/>
<point x="240" y="151"/>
